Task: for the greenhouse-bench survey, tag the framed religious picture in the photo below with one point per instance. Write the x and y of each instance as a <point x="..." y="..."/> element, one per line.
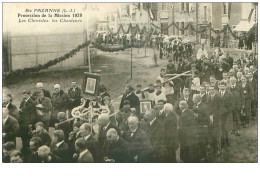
<point x="91" y="83"/>
<point x="145" y="105"/>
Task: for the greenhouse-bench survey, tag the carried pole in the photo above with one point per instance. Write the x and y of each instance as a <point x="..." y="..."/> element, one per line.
<point x="131" y="63"/>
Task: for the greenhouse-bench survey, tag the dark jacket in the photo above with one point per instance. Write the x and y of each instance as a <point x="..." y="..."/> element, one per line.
<point x="190" y="104"/>
<point x="93" y="147"/>
<point x="156" y="136"/>
<point x="60" y="101"/>
<point x="62" y="152"/>
<point x="139" y="145"/>
<point x="134" y="101"/>
<point x="238" y="97"/>
<point x="13" y="111"/>
<point x="202" y="111"/>
<point x="44" y="135"/>
<point x="74" y="96"/>
<point x="11" y="128"/>
<point x="117" y="150"/>
<point x="47" y="107"/>
<point x="85" y="158"/>
<point x="28" y="112"/>
<point x="170" y="131"/>
<point x="102" y="134"/>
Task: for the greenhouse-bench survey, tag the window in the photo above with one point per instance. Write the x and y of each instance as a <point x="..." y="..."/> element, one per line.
<point x="164" y="7"/>
<point x="187" y="7"/>
<point x="182" y="6"/>
<point x="205" y="13"/>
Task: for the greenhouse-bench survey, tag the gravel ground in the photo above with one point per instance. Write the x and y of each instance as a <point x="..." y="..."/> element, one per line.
<point x="115" y="74"/>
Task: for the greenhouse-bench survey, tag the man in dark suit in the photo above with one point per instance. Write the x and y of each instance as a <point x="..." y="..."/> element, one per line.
<point x="187" y="134"/>
<point x="10" y="127"/>
<point x="27" y="117"/>
<point x="239" y="104"/>
<point x="160" y="112"/>
<point x="86" y="132"/>
<point x="249" y="96"/>
<point x="44" y="155"/>
<point x="104" y="126"/>
<point x="227" y="119"/>
<point x="130" y="96"/>
<point x="170" y="133"/>
<point x="43" y="109"/>
<point x="83" y="156"/>
<point x="253" y="83"/>
<point x="7" y="103"/>
<point x="32" y="156"/>
<point x="123" y="115"/>
<point x="63" y="125"/>
<point x="201" y="112"/>
<point x="229" y="60"/>
<point x="186" y="97"/>
<point x="60" y="148"/>
<point x="203" y="95"/>
<point x="156" y="136"/>
<point x="139" y="143"/>
<point x="115" y="148"/>
<point x="215" y="109"/>
<point x="74" y="94"/>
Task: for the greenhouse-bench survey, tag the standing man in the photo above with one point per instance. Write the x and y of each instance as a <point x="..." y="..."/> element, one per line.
<point x="44" y="107"/>
<point x="130" y="96"/>
<point x="27" y="119"/>
<point x="60" y="102"/>
<point x="215" y="110"/>
<point x="84" y="156"/>
<point x="74" y="94"/>
<point x="187" y="134"/>
<point x="115" y="148"/>
<point x="170" y="121"/>
<point x="46" y="93"/>
<point x="10" y="127"/>
<point x="239" y="104"/>
<point x="201" y="112"/>
<point x="228" y="106"/>
<point x="104" y="126"/>
<point x="156" y="136"/>
<point x="139" y="143"/>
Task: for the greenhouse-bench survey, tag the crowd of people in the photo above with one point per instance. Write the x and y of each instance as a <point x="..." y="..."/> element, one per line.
<point x="196" y="112"/>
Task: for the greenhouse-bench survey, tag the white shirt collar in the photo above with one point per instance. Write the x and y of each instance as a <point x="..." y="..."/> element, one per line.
<point x="151" y="122"/>
<point x="86" y="137"/>
<point x="202" y="94"/>
<point x="184" y="110"/>
<point x="82" y="153"/>
<point x="59" y="143"/>
<point x="5" y="119"/>
<point x="106" y="126"/>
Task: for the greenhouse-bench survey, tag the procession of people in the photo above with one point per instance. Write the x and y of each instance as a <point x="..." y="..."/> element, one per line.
<point x="196" y="112"/>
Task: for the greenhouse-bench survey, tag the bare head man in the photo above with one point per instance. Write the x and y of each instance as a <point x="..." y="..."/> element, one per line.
<point x="132" y="123"/>
<point x="149" y="115"/>
<point x="196" y="98"/>
<point x="168" y="108"/>
<point x="112" y="135"/>
<point x="85" y="129"/>
<point x="183" y="105"/>
<point x="103" y="120"/>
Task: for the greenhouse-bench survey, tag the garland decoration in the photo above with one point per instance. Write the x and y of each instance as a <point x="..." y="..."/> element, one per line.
<point x="37" y="68"/>
<point x="116" y="49"/>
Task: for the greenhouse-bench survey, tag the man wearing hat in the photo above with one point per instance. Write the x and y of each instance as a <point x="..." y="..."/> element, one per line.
<point x="27" y="118"/>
